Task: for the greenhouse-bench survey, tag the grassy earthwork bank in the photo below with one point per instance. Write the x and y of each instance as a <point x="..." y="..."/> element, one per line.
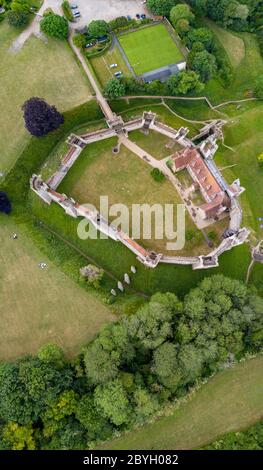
<point x="230" y="401"/>
<point x="243" y="52"/>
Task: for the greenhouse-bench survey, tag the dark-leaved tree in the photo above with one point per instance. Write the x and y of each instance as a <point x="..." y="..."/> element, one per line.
<point x="5" y="204"/>
<point x="41" y="118"/>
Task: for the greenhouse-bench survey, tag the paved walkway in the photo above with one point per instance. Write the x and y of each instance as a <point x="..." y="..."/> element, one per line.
<point x="110" y="116"/>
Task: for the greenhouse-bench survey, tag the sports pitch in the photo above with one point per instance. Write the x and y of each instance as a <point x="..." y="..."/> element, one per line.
<point x="150" y="48"/>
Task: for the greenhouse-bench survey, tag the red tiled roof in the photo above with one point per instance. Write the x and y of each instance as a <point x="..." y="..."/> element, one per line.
<point x="192" y="160"/>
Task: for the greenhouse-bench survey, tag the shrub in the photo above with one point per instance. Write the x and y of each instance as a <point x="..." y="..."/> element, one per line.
<point x="79" y="40"/>
<point x="120" y="22"/>
<point x="157" y="175"/>
<point x="17" y="18"/>
<point x="114" y="88"/>
<point x="260" y="160"/>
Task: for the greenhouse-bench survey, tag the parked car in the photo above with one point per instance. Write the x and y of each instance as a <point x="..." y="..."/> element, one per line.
<point x="118" y="74"/>
<point x="143" y="16"/>
<point x="73" y="6"/>
<point x="113" y="65"/>
<point x="76" y="14"/>
<point x="138" y="16"/>
<point x="129" y="18"/>
<point x="90" y="44"/>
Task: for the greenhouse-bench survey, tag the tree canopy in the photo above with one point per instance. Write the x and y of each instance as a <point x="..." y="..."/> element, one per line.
<point x="114" y="88"/>
<point x="161" y="7"/>
<point x="98" y="28"/>
<point x="55" y="26"/>
<point x="130" y="370"/>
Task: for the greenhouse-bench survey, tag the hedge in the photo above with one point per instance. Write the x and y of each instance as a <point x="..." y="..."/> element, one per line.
<point x="67" y="10"/>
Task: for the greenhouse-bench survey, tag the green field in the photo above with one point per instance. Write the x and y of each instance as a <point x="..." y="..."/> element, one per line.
<point x="39" y="306"/>
<point x="150" y="48"/>
<point x="231" y="401"/>
<point x="48" y="70"/>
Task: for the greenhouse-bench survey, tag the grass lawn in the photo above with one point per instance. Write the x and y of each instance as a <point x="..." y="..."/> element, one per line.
<point x="46" y="70"/>
<point x="231" y="401"/>
<point x="150" y="48"/>
<point x="43" y="302"/>
<point x="101" y="65"/>
<point x="154" y="143"/>
<point x="98" y="172"/>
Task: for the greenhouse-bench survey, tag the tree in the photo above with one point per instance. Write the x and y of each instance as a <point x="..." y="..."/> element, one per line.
<point x="114" y="88"/>
<point x="17" y="18"/>
<point x="181" y="12"/>
<point x="183" y="27"/>
<point x="200" y="35"/>
<point x="166" y="366"/>
<point x="91" y="419"/>
<point x="113" y="401"/>
<point x="184" y="83"/>
<point x="161" y="7"/>
<point x="5" y="204"/>
<point x="20" y="5"/>
<point x="153" y="323"/>
<point x="205" y="64"/>
<point x="55" y="26"/>
<point x="98" y="28"/>
<point x="41" y="118"/>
